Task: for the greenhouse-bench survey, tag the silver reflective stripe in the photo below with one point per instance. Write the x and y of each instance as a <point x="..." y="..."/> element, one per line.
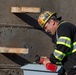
<point x="58" y="26"/>
<point x="64" y="41"/>
<point x="74" y="47"/>
<point x="59" y="55"/>
<point x="56" y="35"/>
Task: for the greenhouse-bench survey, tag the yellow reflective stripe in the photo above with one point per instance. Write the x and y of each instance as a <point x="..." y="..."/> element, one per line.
<point x="58" y="63"/>
<point x="74" y="47"/>
<point x="74" y="43"/>
<point x="74" y="51"/>
<point x="59" y="55"/>
<point x="64" y="41"/>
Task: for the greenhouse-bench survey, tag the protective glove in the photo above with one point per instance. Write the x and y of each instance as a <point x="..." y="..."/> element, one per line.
<point x="49" y="66"/>
<point x="42" y="59"/>
<point x="52" y="67"/>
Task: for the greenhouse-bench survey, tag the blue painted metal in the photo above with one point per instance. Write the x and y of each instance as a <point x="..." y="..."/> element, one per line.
<point x="37" y="69"/>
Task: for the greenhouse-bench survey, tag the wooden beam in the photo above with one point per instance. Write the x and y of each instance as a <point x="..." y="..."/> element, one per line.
<point x="14" y="50"/>
<point x="25" y="10"/>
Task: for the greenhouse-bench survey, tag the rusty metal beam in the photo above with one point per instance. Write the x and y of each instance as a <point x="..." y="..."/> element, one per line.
<point x="14" y="50"/>
<point x="25" y="9"/>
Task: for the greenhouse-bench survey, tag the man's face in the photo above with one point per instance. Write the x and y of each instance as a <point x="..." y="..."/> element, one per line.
<point x="50" y="27"/>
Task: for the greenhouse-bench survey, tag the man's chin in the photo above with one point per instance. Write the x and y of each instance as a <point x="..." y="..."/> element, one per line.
<point x="52" y="33"/>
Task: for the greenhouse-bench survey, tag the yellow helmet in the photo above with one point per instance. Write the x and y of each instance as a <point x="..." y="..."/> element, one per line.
<point x="44" y="17"/>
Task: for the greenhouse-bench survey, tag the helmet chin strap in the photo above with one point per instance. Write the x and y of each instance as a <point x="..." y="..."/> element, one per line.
<point x="56" y="35"/>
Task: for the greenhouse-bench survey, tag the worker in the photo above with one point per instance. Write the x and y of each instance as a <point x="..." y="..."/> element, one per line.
<point x="65" y="49"/>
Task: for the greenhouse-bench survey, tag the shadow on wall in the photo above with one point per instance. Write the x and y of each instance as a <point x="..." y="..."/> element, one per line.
<point x="31" y="21"/>
<point x="16" y="58"/>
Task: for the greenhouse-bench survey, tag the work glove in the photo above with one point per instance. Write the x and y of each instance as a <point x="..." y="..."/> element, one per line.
<point x="41" y="60"/>
<point x="49" y="66"/>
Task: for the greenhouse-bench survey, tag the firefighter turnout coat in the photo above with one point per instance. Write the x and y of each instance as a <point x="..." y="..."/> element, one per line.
<point x="65" y="49"/>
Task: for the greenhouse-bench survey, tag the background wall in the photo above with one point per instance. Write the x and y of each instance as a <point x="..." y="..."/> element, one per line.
<point x="22" y="30"/>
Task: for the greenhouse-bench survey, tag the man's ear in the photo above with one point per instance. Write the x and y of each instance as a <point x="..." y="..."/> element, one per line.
<point x="52" y="21"/>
